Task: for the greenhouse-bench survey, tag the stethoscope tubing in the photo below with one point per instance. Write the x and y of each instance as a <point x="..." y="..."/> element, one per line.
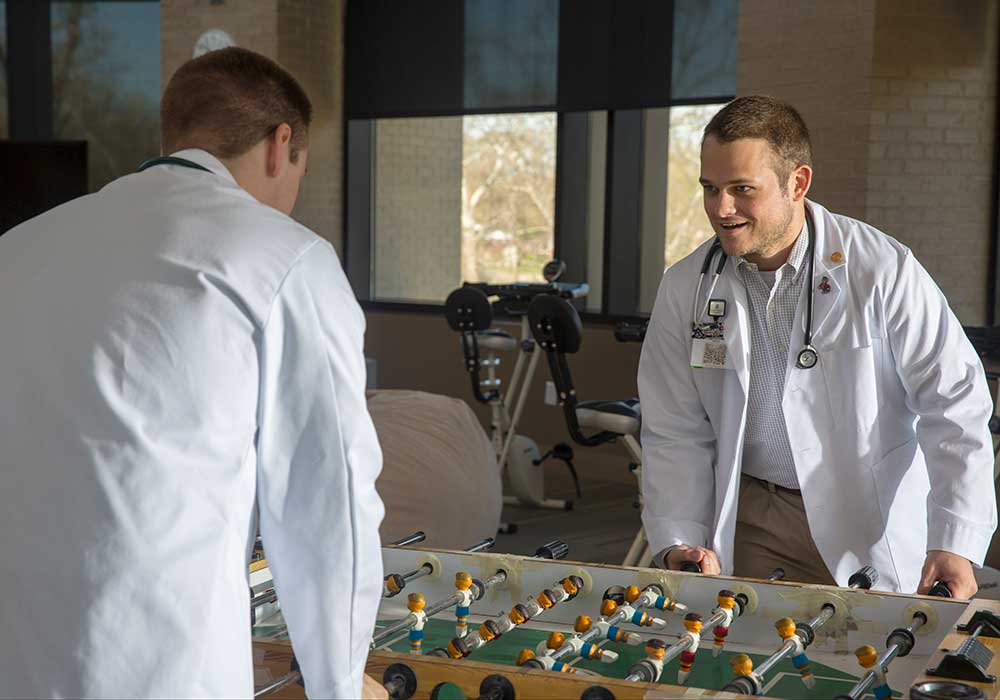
<point x="716" y="246"/>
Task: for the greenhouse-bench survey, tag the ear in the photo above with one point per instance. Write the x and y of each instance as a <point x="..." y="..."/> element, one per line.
<point x="278" y="149"/>
<point x="799" y="182"/>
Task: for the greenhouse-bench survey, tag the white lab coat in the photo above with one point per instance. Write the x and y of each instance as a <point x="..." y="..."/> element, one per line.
<point x="174" y="353"/>
<point x="888" y="433"/>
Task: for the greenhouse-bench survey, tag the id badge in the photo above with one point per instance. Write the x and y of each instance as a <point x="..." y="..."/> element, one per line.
<point x="709" y="353"/>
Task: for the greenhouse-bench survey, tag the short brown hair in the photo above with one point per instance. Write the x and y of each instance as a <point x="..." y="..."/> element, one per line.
<point x="227" y="101"/>
<point x="764" y="117"/>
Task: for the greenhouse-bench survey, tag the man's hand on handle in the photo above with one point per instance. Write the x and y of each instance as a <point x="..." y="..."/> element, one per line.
<point x="371" y="689"/>
<point x="950" y="569"/>
<point x="705" y="558"/>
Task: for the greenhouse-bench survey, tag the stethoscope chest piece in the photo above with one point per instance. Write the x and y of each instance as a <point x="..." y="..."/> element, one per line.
<point x="808" y="357"/>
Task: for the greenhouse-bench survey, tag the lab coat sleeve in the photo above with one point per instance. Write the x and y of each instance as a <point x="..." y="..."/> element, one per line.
<point x="946" y="389"/>
<point x="678" y="442"/>
<point x="318" y="458"/>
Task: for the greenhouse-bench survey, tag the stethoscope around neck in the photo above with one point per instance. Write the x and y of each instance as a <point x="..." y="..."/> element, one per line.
<point x="807" y="357"/>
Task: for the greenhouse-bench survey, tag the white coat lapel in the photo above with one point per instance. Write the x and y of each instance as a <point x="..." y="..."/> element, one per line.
<point x="737" y="333"/>
<point x="829" y="280"/>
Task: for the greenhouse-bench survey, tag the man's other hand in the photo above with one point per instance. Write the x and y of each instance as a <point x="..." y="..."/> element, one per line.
<point x="951" y="569"/>
<point x="371" y="689"/>
<point x="706" y="558"/>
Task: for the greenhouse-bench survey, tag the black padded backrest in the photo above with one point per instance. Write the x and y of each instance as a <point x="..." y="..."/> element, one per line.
<point x="555" y="324"/>
<point x="468" y="309"/>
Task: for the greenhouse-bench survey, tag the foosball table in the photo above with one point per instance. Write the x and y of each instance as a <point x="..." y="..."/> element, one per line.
<point x="475" y="624"/>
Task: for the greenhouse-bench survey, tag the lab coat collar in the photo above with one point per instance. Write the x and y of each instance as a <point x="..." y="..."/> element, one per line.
<point x="206" y="160"/>
<point x="830" y="267"/>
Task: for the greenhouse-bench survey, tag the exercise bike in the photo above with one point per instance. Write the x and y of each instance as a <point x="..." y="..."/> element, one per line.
<point x="470" y="310"/>
<point x="557" y="327"/>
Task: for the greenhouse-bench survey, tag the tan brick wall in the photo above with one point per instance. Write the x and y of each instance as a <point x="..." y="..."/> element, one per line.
<point x="306" y="37"/>
<point x="899" y="96"/>
<point x="932" y="139"/>
<point x="311" y="46"/>
<point x="418" y="208"/>
<point x="816" y="55"/>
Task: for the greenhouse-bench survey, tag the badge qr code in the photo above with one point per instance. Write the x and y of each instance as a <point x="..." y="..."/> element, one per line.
<point x="708" y="353"/>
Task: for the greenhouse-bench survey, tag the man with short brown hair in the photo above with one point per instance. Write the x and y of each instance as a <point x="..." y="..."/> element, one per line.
<point x="809" y="401"/>
<point x="180" y="363"/>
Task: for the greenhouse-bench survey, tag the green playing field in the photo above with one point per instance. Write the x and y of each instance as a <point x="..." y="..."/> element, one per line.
<point x="707" y="672"/>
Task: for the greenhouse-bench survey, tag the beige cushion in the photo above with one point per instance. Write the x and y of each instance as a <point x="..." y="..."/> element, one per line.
<point x="440" y="472"/>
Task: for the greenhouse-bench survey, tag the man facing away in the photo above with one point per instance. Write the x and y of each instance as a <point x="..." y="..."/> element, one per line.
<point x="180" y="360"/>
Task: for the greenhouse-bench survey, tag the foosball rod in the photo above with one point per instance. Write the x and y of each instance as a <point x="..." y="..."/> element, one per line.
<point x="417" y="536"/>
<point x="500" y="576"/>
<point x="394" y="583"/>
<point x="824" y="616"/>
<point x="899" y="643"/>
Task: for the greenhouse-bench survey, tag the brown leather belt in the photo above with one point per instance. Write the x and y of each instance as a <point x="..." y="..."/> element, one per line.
<point x="773" y="488"/>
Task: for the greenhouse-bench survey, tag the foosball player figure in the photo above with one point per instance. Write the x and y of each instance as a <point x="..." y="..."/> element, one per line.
<point x="743" y="666"/>
<point x="550" y="644"/>
<point x="626" y="613"/>
<point x="459" y="648"/>
<point x="650" y="669"/>
<point x="727" y="601"/>
<point x="526" y="657"/>
<point x="652" y="597"/>
<point x="577" y="646"/>
<point x="568" y="589"/>
<point x="394" y="583"/>
<point x="584" y="624"/>
<point x="868" y="658"/>
<point x="463" y="584"/>
<point x="415" y="602"/>
<point x="786" y="628"/>
<point x="692" y="630"/>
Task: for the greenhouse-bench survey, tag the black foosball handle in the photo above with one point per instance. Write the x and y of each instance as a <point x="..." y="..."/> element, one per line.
<point x="692" y="566"/>
<point x="940" y="589"/>
<point x="864" y="578"/>
<point x="556" y="549"/>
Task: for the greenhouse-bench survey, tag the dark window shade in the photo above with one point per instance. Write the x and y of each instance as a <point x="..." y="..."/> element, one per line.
<point x="704" y="52"/>
<point x="614" y="55"/>
<point x="448" y="57"/>
<point x="511" y="52"/>
<point x="404" y="58"/>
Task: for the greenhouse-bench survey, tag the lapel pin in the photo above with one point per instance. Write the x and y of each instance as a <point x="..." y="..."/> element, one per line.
<point x="837" y="257"/>
<point x="824" y="284"/>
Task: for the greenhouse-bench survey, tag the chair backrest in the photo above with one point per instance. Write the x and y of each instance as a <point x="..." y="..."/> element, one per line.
<point x="556" y="327"/>
<point x="468" y="311"/>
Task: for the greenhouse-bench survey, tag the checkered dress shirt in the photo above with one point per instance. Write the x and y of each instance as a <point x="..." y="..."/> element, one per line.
<point x="767" y="453"/>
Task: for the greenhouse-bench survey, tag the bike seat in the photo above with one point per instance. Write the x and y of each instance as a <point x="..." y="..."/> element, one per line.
<point x="496" y="340"/>
<point x="622" y="416"/>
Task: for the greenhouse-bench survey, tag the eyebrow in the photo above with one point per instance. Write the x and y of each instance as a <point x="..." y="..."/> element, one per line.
<point x="741" y="181"/>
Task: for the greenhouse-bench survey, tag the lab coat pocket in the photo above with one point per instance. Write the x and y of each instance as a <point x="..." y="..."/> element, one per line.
<point x="901" y="486"/>
<point x="851" y="375"/>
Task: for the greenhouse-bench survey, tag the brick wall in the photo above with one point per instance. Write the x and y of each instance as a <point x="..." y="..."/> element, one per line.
<point x="899" y="98"/>
<point x="932" y="139"/>
<point x="418" y="208"/>
<point x="306" y="37"/>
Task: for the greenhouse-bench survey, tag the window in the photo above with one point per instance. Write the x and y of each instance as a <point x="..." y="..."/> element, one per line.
<point x="461" y="199"/>
<point x="106" y="83"/>
<point x="687" y="225"/>
<point x="3" y="71"/>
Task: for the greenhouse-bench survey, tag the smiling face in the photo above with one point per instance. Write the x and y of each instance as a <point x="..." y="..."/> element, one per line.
<point x="754" y="213"/>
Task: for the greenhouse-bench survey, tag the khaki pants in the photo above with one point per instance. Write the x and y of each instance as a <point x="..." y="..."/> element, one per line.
<point x="772" y="531"/>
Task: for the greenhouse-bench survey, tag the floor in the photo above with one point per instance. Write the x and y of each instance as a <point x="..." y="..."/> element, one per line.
<point x="602" y="523"/>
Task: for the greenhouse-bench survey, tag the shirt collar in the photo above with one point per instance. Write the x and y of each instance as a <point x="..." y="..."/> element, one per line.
<point x="207" y="160"/>
<point x="795" y="258"/>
